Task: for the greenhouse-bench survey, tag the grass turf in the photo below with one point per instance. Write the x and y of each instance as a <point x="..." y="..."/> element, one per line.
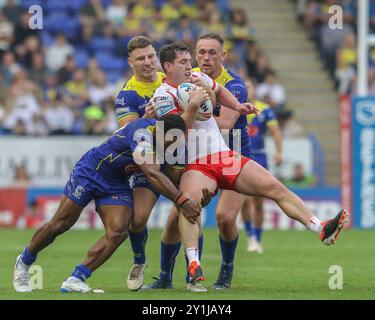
<point x="294" y="265"/>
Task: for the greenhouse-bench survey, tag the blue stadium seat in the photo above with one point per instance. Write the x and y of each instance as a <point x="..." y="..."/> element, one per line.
<point x="26" y="4"/>
<point x="109" y="62"/>
<point x="81" y="58"/>
<point x="113" y="76"/>
<point x="75" y="5"/>
<point x="101" y="44"/>
<point x="47" y="39"/>
<point x="55" y="6"/>
<point x="56" y="22"/>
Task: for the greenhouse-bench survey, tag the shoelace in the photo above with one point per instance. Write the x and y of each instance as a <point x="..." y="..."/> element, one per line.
<point x="135" y="271"/>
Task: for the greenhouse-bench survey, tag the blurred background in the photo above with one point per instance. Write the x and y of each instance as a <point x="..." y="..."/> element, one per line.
<point x="58" y="84"/>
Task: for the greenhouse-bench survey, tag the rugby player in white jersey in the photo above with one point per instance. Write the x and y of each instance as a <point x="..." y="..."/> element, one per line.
<point x="216" y="166"/>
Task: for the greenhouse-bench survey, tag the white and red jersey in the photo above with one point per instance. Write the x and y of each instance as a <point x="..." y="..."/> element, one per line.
<point x="206" y="139"/>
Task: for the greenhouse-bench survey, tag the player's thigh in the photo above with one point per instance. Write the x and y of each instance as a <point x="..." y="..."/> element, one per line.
<point x="229" y="205"/>
<point x="143" y="202"/>
<point x="116" y="218"/>
<point x="192" y="183"/>
<point x="257" y="181"/>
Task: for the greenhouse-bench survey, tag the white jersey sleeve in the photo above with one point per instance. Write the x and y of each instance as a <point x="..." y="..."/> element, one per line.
<point x="164" y="102"/>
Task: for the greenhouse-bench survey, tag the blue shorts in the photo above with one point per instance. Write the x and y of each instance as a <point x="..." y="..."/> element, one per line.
<point x="260" y="158"/>
<point x="85" y="184"/>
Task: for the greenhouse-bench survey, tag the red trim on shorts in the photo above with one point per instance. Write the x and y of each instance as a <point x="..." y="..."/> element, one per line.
<point x="217" y="167"/>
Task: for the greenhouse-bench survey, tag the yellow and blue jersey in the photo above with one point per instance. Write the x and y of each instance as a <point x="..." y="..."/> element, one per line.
<point x="103" y="173"/>
<point x="237" y="87"/>
<point x="114" y="157"/>
<point x="133" y="97"/>
<point x="257" y="125"/>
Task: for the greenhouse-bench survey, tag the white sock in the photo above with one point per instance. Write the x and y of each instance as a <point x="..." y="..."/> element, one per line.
<point x="314" y="225"/>
<point x="192" y="255"/>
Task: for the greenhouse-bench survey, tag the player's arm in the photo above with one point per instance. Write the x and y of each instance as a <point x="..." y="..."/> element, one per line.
<point x="126" y="111"/>
<point x="226" y="99"/>
<point x="227" y="118"/>
<point x="275" y="130"/>
<point x="163" y="185"/>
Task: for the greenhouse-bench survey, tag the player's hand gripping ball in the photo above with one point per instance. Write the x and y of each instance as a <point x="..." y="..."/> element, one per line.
<point x="183" y="95"/>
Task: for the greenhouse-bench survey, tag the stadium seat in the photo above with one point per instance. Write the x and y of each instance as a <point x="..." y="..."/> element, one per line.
<point x="56" y="22"/>
<point x="81" y="58"/>
<point x="75" y="5"/>
<point x="110" y="63"/>
<point x="47" y="39"/>
<point x="26" y="4"/>
<point x="101" y="44"/>
<point x="55" y="6"/>
<point x="113" y="77"/>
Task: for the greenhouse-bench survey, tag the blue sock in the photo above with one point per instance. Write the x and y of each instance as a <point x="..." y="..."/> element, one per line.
<point x="258" y="233"/>
<point x="27" y="257"/>
<point x="81" y="272"/>
<point x="138" y="243"/>
<point x="168" y="254"/>
<point x="228" y="249"/>
<point x="200" y="251"/>
<point x="248" y="228"/>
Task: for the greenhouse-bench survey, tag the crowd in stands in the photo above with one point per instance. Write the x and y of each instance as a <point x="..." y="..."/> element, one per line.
<point x="63" y="78"/>
<point x="338" y="47"/>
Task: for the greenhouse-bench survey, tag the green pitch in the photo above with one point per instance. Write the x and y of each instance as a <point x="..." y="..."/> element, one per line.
<point x="295" y="265"/>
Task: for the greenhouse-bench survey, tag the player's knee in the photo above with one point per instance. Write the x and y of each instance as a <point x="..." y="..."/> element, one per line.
<point x="139" y="222"/>
<point x="116" y="237"/>
<point x="59" y="226"/>
<point x="225" y="219"/>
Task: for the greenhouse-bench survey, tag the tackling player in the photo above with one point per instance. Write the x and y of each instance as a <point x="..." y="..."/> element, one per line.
<point x="102" y="174"/>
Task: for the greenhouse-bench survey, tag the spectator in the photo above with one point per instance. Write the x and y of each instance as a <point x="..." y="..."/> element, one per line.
<point x="26" y="50"/>
<point x="238" y="29"/>
<point x="99" y="89"/>
<point x="21" y="176"/>
<point x="76" y="95"/>
<point x="346" y="59"/>
<point x="6" y="34"/>
<point x="12" y="11"/>
<point x="92" y="14"/>
<point x="300" y="179"/>
<point x="31" y="218"/>
<point x="58" y="52"/>
<point x="9" y="67"/>
<point x="116" y="12"/>
<point x="22" y="30"/>
<point x="94" y="117"/>
<point x="65" y="73"/>
<point x="261" y="67"/>
<point x="271" y="92"/>
<point x="38" y="67"/>
<point x="59" y="117"/>
<point x="38" y="125"/>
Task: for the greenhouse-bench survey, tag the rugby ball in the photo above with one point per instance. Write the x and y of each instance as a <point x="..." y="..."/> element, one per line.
<point x="183" y="96"/>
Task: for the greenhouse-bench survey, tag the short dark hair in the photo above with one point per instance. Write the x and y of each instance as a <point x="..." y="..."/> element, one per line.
<point x="214" y="36"/>
<point x="173" y="121"/>
<point x="139" y="42"/>
<point x="169" y="52"/>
